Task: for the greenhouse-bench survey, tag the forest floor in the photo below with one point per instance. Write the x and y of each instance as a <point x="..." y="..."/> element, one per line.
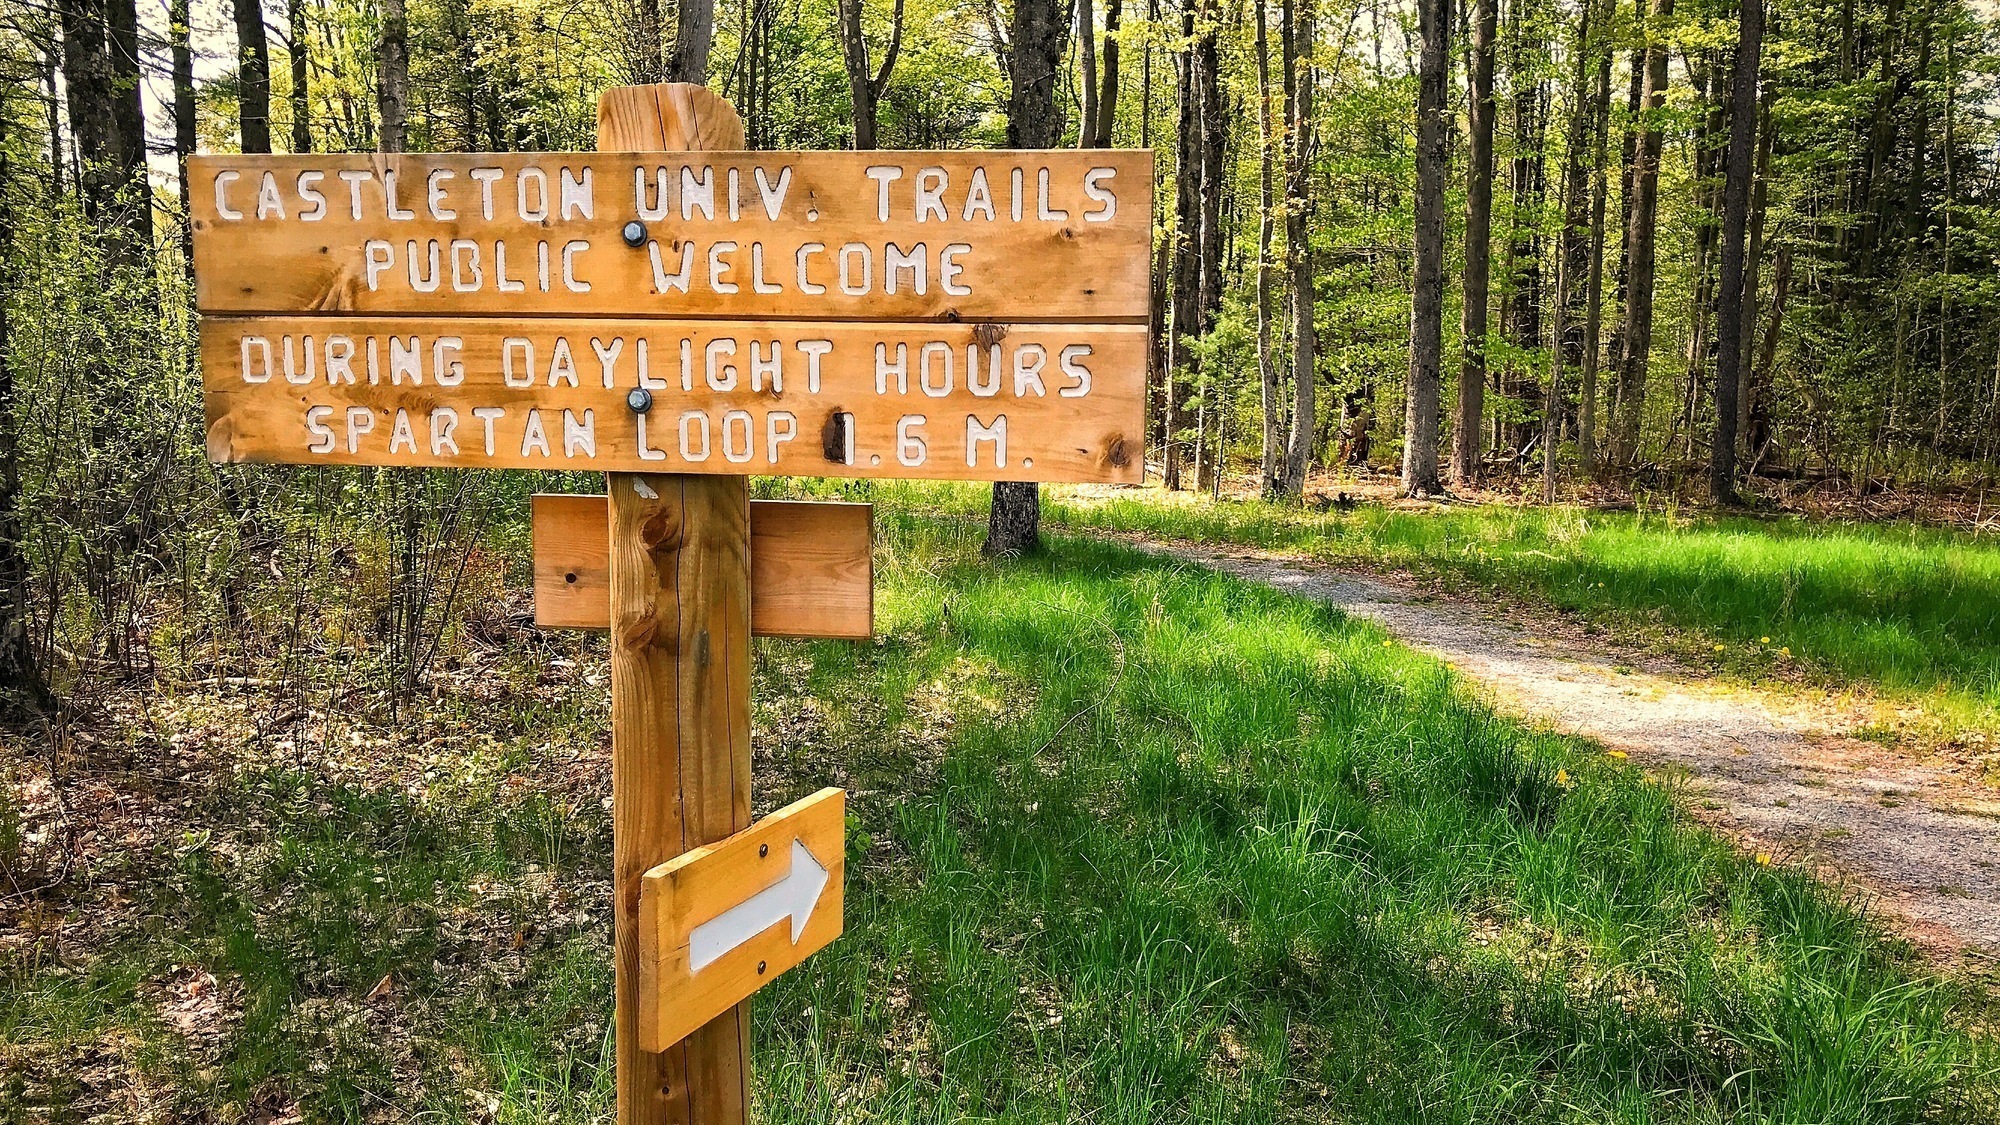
<point x="1130" y="840"/>
<point x="1780" y="771"/>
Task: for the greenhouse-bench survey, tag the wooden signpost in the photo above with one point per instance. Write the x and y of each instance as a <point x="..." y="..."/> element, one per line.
<point x="680" y="314"/>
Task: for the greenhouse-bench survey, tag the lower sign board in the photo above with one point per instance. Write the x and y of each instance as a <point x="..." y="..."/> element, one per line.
<point x="719" y="922"/>
<point x="1021" y="401"/>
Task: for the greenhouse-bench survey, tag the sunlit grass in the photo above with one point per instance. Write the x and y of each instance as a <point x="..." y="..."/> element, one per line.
<point x="1132" y="842"/>
<point x="1911" y="612"/>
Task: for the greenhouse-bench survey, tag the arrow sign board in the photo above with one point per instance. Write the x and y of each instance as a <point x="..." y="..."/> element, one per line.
<point x="947" y="315"/>
<point x="719" y="922"/>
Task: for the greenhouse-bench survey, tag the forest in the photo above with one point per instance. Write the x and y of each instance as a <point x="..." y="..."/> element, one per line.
<point x="1667" y="327"/>
<point x="1574" y="247"/>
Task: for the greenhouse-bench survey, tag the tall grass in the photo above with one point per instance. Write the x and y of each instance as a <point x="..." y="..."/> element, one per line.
<point x="1903" y="609"/>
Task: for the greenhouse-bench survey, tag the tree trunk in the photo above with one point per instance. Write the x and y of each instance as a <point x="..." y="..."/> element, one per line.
<point x="1468" y="430"/>
<point x="864" y="85"/>
<point x="1627" y="153"/>
<point x="1735" y="220"/>
<point x="178" y="38"/>
<point x="1215" y="224"/>
<point x="128" y="121"/>
<point x="860" y="82"/>
<point x="1267" y="366"/>
<point x="1593" y="317"/>
<point x="300" y="52"/>
<point x="1086" y="50"/>
<point x="1298" y="78"/>
<point x="1420" y="437"/>
<point x="1526" y="182"/>
<point x="1107" y="98"/>
<point x="392" y="78"/>
<point x="648" y="55"/>
<point x="253" y="58"/>
<point x="1186" y="257"/>
<point x="1552" y="399"/>
<point x="52" y="113"/>
<point x="1197" y="290"/>
<point x="86" y="67"/>
<point x="1036" y="49"/>
<point x="1707" y="170"/>
<point x="1758" y="391"/>
<point x="692" y="37"/>
<point x="1640" y="236"/>
<point x="20" y="672"/>
<point x="1573" y="254"/>
<point x="1752" y="264"/>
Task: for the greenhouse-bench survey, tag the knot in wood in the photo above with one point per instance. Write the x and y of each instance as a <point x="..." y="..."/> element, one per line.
<point x="641" y="630"/>
<point x="662" y="531"/>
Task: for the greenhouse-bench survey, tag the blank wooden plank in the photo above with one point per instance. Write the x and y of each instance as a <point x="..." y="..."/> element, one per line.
<point x="748" y="893"/>
<point x="1043" y="402"/>
<point x="811" y="567"/>
<point x="1059" y="235"/>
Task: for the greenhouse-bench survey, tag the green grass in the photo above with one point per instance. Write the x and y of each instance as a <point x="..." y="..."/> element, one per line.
<point x="1908" y="611"/>
<point x="1130" y="842"/>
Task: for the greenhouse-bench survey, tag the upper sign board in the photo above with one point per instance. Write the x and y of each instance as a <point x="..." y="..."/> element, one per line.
<point x="1011" y="236"/>
<point x="919" y="314"/>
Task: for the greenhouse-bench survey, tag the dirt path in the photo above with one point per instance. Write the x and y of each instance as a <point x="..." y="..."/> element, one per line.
<point x="1772" y="770"/>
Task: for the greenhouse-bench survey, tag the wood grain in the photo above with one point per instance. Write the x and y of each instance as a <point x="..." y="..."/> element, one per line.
<point x="702" y="884"/>
<point x="680" y="692"/>
<point x="1072" y="268"/>
<point x="1058" y="428"/>
<point x="811" y="567"/>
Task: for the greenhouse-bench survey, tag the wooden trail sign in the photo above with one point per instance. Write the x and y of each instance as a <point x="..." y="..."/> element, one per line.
<point x="723" y="919"/>
<point x="679" y="314"/>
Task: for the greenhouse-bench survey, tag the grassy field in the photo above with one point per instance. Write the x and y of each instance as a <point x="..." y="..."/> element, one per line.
<point x="1130" y="842"/>
<point x="1910" y="612"/>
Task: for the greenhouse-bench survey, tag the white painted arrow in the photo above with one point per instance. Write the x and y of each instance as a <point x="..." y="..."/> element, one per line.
<point x="794" y="895"/>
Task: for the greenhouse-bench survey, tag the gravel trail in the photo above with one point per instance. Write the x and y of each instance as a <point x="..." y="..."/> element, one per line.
<point x="1774" y="771"/>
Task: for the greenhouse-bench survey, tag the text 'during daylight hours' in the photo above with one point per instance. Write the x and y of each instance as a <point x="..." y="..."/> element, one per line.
<point x="1051" y="402"/>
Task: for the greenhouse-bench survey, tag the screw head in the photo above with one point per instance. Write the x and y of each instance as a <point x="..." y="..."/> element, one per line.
<point x="763" y="850"/>
<point x="760" y="968"/>
<point x="635" y="234"/>
<point x="639" y="399"/>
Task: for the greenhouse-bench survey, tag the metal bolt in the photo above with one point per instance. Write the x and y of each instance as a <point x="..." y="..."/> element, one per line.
<point x="639" y="399"/>
<point x="763" y="850"/>
<point x="635" y="234"/>
<point x="760" y="968"/>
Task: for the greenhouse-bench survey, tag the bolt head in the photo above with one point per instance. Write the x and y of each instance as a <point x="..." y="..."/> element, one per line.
<point x="639" y="399"/>
<point x="635" y="234"/>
